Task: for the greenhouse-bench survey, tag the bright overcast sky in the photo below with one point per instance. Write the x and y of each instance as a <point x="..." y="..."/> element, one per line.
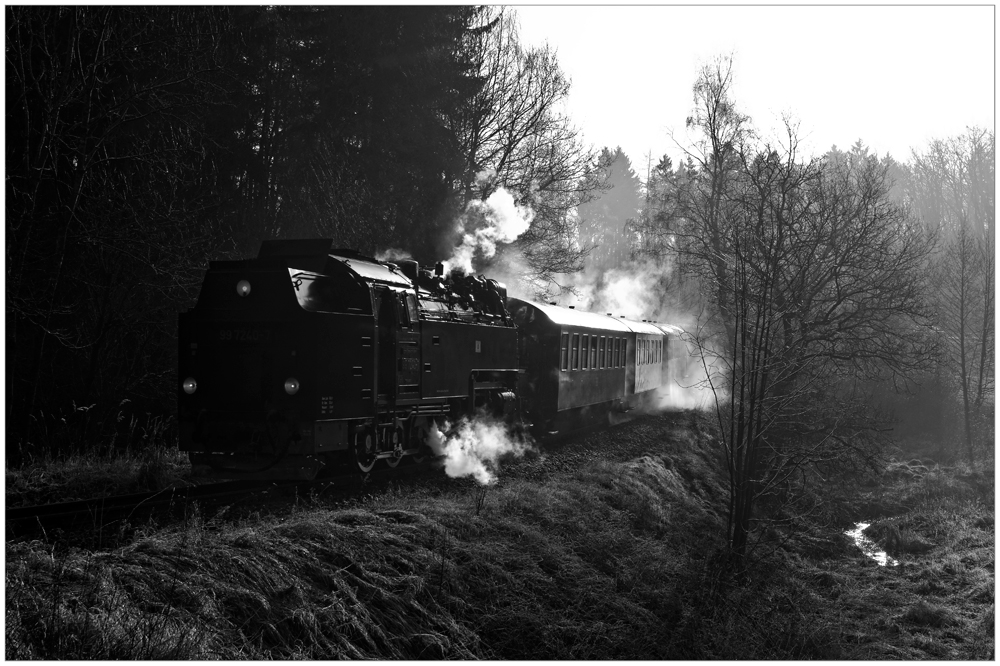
<point x="895" y="77"/>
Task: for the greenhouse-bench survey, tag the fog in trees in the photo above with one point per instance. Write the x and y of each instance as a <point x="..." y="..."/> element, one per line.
<point x="825" y="300"/>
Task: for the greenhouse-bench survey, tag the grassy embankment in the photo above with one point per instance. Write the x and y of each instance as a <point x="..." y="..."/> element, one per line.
<point x="611" y="560"/>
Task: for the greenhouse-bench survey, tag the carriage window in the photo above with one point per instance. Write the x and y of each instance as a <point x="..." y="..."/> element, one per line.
<point x="585" y="351"/>
<point x="600" y="353"/>
<point x="593" y="352"/>
<point x="614" y="354"/>
<point x="564" y="352"/>
<point x="576" y="351"/>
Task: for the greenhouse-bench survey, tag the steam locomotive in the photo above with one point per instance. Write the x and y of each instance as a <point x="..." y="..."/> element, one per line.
<point x="308" y="356"/>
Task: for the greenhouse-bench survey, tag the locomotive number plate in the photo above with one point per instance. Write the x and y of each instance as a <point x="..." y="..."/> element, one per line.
<point x="245" y="334"/>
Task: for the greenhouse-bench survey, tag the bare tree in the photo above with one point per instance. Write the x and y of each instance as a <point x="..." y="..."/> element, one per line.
<point x="814" y="276"/>
<point x="514" y="133"/>
<point x="965" y="279"/>
<point x="950" y="187"/>
<point x="106" y="197"/>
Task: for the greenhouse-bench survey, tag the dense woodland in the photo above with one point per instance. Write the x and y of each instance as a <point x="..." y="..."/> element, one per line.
<point x="144" y="141"/>
<point x="834" y="297"/>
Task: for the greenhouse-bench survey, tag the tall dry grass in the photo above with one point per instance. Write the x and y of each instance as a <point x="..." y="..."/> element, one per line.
<point x="589" y="565"/>
<point x="139" y="456"/>
<point x="608" y="561"/>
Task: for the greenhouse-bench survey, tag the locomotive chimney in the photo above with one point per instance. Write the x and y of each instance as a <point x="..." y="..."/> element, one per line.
<point x="410" y="268"/>
<point x="439" y="269"/>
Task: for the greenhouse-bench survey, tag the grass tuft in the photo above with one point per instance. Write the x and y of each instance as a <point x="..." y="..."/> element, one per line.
<point x="927" y="614"/>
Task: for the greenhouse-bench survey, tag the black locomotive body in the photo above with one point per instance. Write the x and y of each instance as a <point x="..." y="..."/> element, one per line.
<point x="307" y="354"/>
<point x="579" y="365"/>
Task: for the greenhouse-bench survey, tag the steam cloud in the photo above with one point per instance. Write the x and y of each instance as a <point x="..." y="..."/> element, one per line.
<point x="474" y="447"/>
<point x="393" y="254"/>
<point x="646" y="289"/>
<point x="635" y="290"/>
<point x="484" y="224"/>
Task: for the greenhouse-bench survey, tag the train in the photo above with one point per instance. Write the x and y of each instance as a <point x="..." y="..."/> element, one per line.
<point x="308" y="357"/>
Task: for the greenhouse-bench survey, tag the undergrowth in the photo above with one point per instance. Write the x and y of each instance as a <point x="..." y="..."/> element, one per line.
<point x="144" y="459"/>
<point x="609" y="561"/>
<point x="588" y="565"/>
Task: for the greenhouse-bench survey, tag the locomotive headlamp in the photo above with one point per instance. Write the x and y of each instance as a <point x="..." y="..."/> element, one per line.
<point x="243" y="288"/>
<point x="190" y="385"/>
<point x="291" y="386"/>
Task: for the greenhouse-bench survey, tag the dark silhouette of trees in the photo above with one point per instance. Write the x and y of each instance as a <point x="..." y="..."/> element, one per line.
<point x="335" y="126"/>
<point x="143" y="140"/>
<point x="106" y="196"/>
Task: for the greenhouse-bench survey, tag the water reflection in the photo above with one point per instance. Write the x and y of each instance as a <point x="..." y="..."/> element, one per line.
<point x="869" y="547"/>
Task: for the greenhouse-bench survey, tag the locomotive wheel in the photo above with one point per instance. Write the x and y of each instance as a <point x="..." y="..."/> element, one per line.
<point x="397" y="437"/>
<point x="364" y="450"/>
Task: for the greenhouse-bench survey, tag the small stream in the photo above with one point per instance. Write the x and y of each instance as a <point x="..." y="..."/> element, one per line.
<point x="869" y="547"/>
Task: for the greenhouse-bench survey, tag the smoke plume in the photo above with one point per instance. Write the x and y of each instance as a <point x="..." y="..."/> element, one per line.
<point x="474" y="447"/>
<point x="497" y="219"/>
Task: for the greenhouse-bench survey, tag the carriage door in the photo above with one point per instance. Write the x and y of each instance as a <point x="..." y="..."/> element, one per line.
<point x="408" y="347"/>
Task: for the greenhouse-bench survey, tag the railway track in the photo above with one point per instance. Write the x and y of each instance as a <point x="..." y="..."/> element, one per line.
<point x="105" y="514"/>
